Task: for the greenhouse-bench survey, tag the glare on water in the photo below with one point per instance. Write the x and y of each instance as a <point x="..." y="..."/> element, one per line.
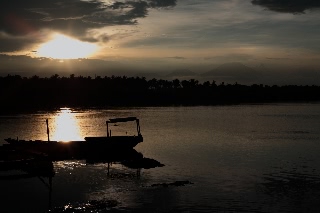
<point x="66" y="127"/>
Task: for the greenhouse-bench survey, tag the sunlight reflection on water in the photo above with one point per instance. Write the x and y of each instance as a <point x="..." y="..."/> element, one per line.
<point x="66" y="127"/>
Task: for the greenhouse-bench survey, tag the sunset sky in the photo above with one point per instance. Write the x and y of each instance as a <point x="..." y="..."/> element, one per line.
<point x="277" y="38"/>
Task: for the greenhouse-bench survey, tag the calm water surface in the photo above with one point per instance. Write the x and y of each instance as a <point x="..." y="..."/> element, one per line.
<point x="252" y="158"/>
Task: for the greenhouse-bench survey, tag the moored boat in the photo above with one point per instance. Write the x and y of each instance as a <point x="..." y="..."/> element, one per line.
<point x="118" y="141"/>
<point x="77" y="148"/>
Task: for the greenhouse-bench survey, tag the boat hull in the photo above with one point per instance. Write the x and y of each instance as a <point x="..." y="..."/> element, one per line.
<point x="114" y="141"/>
<point x="75" y="149"/>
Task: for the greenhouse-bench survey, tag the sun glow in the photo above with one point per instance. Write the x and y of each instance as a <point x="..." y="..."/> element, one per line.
<point x="66" y="126"/>
<point x="63" y="47"/>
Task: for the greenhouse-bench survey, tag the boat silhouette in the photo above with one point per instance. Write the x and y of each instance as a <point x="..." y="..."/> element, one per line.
<point x="78" y="149"/>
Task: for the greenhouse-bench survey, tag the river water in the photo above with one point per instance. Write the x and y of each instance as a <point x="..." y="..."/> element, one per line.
<point x="246" y="158"/>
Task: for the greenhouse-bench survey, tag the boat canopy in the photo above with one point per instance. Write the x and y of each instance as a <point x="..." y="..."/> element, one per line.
<point x="116" y="120"/>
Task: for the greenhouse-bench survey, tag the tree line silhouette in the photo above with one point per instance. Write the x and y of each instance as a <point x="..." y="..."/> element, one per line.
<point x="22" y="93"/>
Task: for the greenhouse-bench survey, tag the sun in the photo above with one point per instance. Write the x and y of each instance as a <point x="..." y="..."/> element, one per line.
<point x="64" y="47"/>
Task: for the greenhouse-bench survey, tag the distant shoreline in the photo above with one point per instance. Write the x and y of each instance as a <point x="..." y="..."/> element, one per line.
<point x="35" y="93"/>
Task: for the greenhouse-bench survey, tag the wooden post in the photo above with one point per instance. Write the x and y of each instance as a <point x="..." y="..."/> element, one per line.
<point x="107" y="129"/>
<point x="48" y="132"/>
<point x="138" y="126"/>
<point x="138" y="172"/>
<point x="108" y="169"/>
<point x="50" y="192"/>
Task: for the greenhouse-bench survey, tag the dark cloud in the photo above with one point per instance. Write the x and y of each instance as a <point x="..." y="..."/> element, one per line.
<point x="73" y="17"/>
<point x="162" y="3"/>
<point x="278" y="59"/>
<point x="12" y="43"/>
<point x="177" y="57"/>
<point x="19" y="17"/>
<point x="288" y="6"/>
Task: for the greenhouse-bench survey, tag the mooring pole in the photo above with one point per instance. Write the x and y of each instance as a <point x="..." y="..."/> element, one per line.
<point x="50" y="192"/>
<point x="48" y="132"/>
<point x="138" y="126"/>
<point x="138" y="172"/>
<point x="108" y="169"/>
<point x="107" y="128"/>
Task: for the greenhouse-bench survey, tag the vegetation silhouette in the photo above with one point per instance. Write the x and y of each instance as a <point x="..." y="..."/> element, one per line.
<point x="37" y="93"/>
